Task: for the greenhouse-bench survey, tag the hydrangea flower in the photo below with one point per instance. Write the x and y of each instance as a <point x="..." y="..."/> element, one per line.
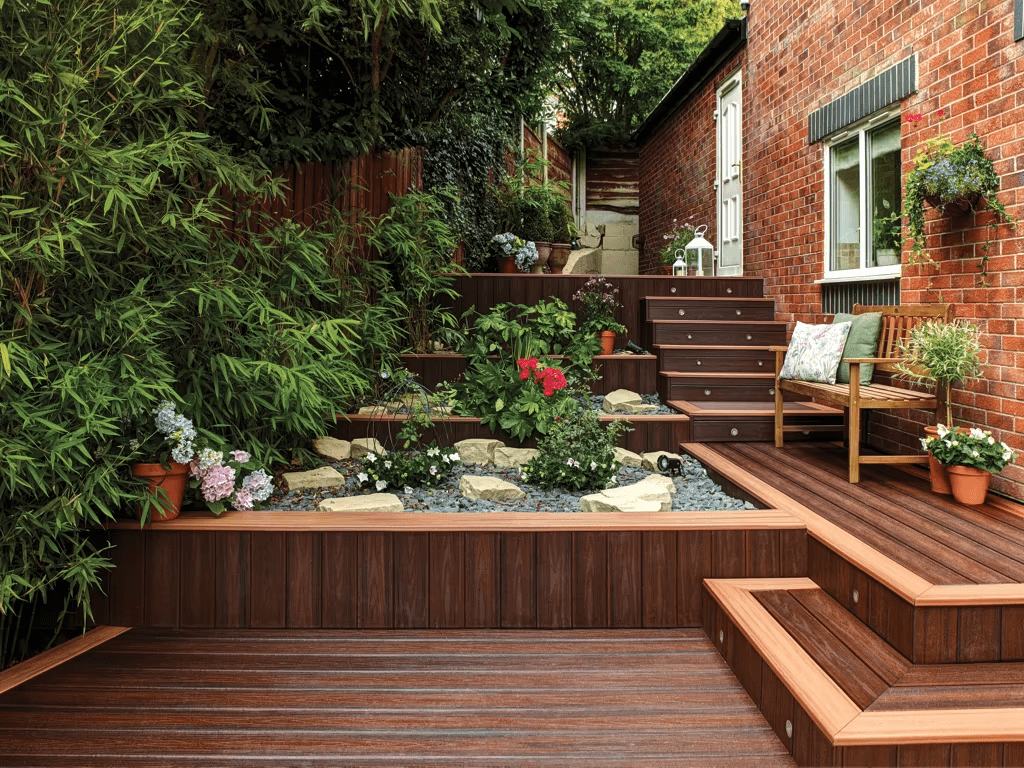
<point x="218" y="483"/>
<point x="240" y="456"/>
<point x="259" y="485"/>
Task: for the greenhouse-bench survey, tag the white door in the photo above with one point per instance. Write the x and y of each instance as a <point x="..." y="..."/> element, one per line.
<point x="729" y="181"/>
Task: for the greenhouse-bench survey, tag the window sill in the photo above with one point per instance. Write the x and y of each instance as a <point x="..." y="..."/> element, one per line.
<point x="860" y="277"/>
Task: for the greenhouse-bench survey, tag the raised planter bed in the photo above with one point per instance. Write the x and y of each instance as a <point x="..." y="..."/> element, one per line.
<point x="638" y="373"/>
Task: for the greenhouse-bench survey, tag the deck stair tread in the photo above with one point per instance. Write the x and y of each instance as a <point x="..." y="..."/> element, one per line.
<point x="712" y="347"/>
<point x="751" y="408"/>
<point x="858" y="691"/>
<point x="929" y="537"/>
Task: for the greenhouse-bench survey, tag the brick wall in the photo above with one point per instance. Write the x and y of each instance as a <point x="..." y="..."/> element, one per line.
<point x="802" y="54"/>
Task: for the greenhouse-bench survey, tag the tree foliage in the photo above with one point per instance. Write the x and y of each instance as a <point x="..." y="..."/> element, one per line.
<point x="122" y="285"/>
<point x="621" y="56"/>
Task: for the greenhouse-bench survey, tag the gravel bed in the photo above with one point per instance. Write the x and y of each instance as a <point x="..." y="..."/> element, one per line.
<point x="695" y="491"/>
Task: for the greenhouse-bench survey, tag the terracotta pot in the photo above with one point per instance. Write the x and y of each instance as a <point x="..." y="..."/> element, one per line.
<point x="167" y="505"/>
<point x="970" y="484"/>
<point x="607" y="341"/>
<point x="937" y="472"/>
<point x="507" y="265"/>
<point x="543" y="254"/>
<point x="666" y="269"/>
<point x="559" y="257"/>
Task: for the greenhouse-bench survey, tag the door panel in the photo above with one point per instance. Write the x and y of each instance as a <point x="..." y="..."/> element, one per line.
<point x="730" y="178"/>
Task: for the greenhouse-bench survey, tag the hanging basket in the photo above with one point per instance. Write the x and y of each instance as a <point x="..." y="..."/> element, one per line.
<point x="959" y="206"/>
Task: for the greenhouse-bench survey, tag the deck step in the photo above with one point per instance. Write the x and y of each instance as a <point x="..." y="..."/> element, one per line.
<point x="837" y="694"/>
<point x="708" y="308"/>
<point x="754" y="421"/>
<point x="700" y="357"/>
<point x="688" y="333"/>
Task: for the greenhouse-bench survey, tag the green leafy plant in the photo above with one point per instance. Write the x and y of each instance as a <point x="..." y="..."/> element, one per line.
<point x="941" y="354"/>
<point x="946" y="174"/>
<point x="408" y="469"/>
<point x="418" y="245"/>
<point x="578" y="453"/>
<point x="975" y="448"/>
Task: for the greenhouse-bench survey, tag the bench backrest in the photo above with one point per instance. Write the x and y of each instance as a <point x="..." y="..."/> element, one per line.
<point x="897" y="322"/>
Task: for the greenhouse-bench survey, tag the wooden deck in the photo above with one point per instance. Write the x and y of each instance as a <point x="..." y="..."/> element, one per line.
<point x="588" y="698"/>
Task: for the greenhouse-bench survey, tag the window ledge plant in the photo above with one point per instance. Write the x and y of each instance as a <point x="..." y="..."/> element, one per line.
<point x="946" y="174"/>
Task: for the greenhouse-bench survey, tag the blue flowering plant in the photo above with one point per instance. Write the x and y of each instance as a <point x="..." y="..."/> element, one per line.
<point x="524" y="252"/>
<point x="951" y="177"/>
<point x="161" y="436"/>
<point x="969" y="448"/>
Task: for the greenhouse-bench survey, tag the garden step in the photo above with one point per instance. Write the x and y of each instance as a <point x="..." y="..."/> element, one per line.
<point x="837" y="694"/>
<point x="717" y="332"/>
<point x="751" y="421"/>
<point x="724" y="359"/>
<point x="712" y="308"/>
<point x="710" y="386"/>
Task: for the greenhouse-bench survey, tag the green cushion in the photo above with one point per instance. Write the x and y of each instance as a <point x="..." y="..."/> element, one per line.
<point x="862" y="342"/>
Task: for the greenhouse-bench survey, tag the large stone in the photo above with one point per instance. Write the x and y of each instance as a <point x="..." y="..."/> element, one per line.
<point x="650" y="462"/>
<point x="649" y="495"/>
<point x="324" y="477"/>
<point x="370" y="502"/>
<point x="512" y="457"/>
<point x="332" y="448"/>
<point x="373" y="410"/>
<point x="621" y="400"/>
<point x="627" y="458"/>
<point x="361" y="446"/>
<point x="488" y="488"/>
<point x="477" y="451"/>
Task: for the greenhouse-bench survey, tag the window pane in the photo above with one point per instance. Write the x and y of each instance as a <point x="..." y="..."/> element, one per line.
<point x="884" y="146"/>
<point x="846" y="205"/>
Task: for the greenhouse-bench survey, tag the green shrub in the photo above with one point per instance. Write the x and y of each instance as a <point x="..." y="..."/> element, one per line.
<point x="578" y="454"/>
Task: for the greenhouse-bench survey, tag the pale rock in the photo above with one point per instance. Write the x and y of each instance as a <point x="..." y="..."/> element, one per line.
<point x="512" y="457"/>
<point x="649" y="495"/>
<point x="364" y="445"/>
<point x="373" y="410"/>
<point x="488" y="488"/>
<point x="627" y="458"/>
<point x="370" y="502"/>
<point x="620" y="400"/>
<point x="332" y="448"/>
<point x="477" y="450"/>
<point x="637" y="410"/>
<point x="323" y="477"/>
<point x="650" y="462"/>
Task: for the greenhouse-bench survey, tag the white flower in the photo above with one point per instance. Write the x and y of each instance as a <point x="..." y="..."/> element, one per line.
<point x="433" y="451"/>
<point x="991" y="440"/>
<point x="381" y="485"/>
<point x="371" y="457"/>
<point x="978" y="434"/>
<point x="943" y="431"/>
<point x="362" y="477"/>
<point x="408" y="490"/>
<point x="924" y="443"/>
<point x="453" y="456"/>
<point x="433" y="470"/>
<point x="1007" y="454"/>
<point x="387" y="465"/>
<point x="975" y="454"/>
<point x="593" y="465"/>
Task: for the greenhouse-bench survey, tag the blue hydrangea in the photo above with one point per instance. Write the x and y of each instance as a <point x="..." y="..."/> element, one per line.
<point x="259" y="484"/>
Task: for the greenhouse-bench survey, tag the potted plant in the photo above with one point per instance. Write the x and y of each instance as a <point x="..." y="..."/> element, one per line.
<point x="166" y="445"/>
<point x="941" y="354"/>
<point x="514" y="253"/>
<point x="675" y="241"/>
<point x="598" y="300"/>
<point x="536" y="216"/>
<point x="971" y="457"/>
<point x="563" y="233"/>
<point x="952" y="178"/>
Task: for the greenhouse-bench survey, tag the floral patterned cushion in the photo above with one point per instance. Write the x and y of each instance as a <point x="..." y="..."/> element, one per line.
<point x="814" y="352"/>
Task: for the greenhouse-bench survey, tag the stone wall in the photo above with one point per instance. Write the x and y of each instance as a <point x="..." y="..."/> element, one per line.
<point x="799" y="56"/>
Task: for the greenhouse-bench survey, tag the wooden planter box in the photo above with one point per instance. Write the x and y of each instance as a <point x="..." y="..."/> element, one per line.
<point x="638" y="373"/>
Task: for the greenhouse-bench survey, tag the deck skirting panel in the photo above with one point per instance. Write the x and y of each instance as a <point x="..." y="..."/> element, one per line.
<point x="384" y="579"/>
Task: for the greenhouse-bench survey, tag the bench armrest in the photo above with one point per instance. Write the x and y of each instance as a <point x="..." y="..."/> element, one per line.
<point x="778" y="349"/>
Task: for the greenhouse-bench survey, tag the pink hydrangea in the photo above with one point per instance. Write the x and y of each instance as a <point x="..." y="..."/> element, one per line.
<point x="240" y="456"/>
<point x="242" y="500"/>
<point x="218" y="483"/>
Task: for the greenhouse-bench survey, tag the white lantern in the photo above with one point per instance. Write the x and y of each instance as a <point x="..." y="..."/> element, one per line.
<point x="699" y="252"/>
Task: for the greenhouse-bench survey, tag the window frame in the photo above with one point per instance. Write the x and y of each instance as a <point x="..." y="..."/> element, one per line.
<point x="858" y="129"/>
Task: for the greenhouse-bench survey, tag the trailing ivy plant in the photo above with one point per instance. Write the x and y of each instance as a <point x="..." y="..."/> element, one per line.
<point x="947" y="174"/>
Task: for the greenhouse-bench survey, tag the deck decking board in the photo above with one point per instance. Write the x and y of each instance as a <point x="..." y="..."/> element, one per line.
<point x="523" y="697"/>
<point x="883" y="525"/>
<point x="860" y="682"/>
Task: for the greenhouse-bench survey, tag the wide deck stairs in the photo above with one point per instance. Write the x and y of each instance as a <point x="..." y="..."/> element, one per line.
<point x="715" y="366"/>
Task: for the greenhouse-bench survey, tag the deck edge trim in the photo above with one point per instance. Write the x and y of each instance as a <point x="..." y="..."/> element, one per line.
<point x="54" y="657"/>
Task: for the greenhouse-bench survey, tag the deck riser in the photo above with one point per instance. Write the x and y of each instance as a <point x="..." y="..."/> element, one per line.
<point x="715" y="391"/>
<point x="443" y="580"/>
<point x="924" y="634"/>
<point x="708" y="309"/>
<point x="721" y="360"/>
<point x="707" y="334"/>
<point x="753" y="429"/>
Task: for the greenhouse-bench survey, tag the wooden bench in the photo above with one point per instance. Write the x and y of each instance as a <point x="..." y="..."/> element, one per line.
<point x="856" y="399"/>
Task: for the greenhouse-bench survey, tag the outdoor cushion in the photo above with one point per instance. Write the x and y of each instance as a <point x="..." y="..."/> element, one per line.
<point x="862" y="342"/>
<point x="814" y="352"/>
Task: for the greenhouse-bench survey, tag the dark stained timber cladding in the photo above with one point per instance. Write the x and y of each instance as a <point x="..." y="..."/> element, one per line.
<point x="886" y="88"/>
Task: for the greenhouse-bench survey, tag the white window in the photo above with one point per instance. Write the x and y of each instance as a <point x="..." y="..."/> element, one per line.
<point x="863" y="200"/>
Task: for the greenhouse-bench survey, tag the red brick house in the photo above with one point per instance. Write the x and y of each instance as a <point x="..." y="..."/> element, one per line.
<point x="790" y="135"/>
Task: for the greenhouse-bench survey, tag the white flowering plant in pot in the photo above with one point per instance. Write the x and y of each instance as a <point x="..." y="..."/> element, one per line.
<point x="969" y="448"/>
